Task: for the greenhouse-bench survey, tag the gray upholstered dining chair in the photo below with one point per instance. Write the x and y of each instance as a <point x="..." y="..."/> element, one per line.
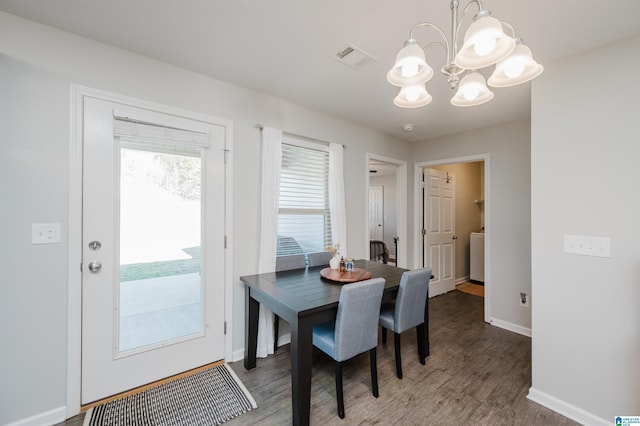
<point x="319" y="258"/>
<point x="354" y="331"/>
<point x="286" y="263"/>
<point x="407" y="311"/>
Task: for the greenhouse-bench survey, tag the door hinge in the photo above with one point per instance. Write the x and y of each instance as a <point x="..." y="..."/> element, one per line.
<point x="423" y="232"/>
<point x="225" y="241"/>
<point x="80" y="266"/>
<point x="225" y="327"/>
<point x="226" y="155"/>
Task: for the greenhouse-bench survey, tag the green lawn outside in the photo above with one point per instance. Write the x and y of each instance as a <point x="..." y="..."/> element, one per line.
<point x="140" y="271"/>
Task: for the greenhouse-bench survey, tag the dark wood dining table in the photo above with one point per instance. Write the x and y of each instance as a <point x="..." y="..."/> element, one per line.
<point x="303" y="298"/>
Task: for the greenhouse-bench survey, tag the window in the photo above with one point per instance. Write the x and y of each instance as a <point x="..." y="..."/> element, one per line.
<point x="304" y="224"/>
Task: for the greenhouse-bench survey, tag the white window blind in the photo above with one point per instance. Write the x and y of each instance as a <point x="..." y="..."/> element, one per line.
<point x="303" y="220"/>
<point x="159" y="138"/>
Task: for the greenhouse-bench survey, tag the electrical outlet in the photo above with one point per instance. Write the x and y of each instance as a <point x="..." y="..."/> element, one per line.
<point x="524" y="300"/>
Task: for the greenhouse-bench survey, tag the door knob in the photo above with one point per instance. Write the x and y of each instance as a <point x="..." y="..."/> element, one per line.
<point x="95" y="266"/>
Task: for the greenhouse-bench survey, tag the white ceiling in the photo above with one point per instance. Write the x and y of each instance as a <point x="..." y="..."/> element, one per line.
<point x="285" y="48"/>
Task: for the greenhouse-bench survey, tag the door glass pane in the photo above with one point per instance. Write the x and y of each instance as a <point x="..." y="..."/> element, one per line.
<point x="160" y="244"/>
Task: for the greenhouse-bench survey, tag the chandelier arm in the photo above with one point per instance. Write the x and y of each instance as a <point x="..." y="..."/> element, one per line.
<point x="438" y="30"/>
<point x="434" y="43"/>
<point x="478" y="3"/>
<point x="508" y="25"/>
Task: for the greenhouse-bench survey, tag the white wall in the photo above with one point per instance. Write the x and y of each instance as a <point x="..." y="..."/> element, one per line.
<point x="508" y="235"/>
<point x="585" y="176"/>
<point x="37" y="66"/>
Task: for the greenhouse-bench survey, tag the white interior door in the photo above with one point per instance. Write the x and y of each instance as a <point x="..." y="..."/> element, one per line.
<point x="153" y="246"/>
<point x="439" y="229"/>
<point x="376" y="211"/>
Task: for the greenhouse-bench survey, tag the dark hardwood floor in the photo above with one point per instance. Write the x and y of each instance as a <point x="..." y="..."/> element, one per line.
<point x="476" y="374"/>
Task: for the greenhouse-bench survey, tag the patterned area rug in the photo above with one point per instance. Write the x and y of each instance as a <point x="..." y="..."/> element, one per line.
<point x="209" y="397"/>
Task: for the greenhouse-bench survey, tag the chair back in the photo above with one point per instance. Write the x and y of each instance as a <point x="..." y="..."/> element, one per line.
<point x="293" y="261"/>
<point x="412" y="296"/>
<point x="378" y="251"/>
<point x="356" y="329"/>
<point x="319" y="258"/>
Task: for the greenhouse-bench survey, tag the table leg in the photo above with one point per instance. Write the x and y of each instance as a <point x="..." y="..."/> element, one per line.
<point x="301" y="360"/>
<point x="251" y="312"/>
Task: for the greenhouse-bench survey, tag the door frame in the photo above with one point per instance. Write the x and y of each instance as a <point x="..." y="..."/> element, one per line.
<point x="401" y="206"/>
<point x="74" y="310"/>
<point x="417" y="216"/>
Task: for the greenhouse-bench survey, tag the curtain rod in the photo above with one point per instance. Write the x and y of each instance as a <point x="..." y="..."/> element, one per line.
<point x="260" y="126"/>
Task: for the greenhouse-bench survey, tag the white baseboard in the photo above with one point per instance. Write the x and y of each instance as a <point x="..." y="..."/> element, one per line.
<point x="511" y="327"/>
<point x="237" y="355"/>
<point x="568" y="410"/>
<point x="52" y="417"/>
<point x="283" y="340"/>
<point x="462" y="280"/>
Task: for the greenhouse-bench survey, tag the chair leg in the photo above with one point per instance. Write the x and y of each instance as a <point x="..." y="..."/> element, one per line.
<point x="374" y="371"/>
<point x="421" y="351"/>
<point x="276" y="326"/>
<point x="396" y="341"/>
<point x="384" y="335"/>
<point x="339" y="395"/>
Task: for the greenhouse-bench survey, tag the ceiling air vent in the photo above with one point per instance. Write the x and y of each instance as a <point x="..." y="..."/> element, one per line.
<point x="353" y="56"/>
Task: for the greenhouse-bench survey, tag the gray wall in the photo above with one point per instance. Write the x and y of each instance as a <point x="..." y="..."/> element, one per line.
<point x="585" y="149"/>
<point x="34" y="159"/>
<point x="37" y="66"/>
<point x="508" y="237"/>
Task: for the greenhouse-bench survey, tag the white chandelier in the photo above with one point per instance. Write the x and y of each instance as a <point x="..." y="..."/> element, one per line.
<point x="485" y="44"/>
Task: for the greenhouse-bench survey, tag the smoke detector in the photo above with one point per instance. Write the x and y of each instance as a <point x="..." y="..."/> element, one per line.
<point x="353" y="56"/>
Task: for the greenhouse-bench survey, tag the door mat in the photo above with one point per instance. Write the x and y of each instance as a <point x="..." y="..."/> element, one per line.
<point x="209" y="397"/>
<point x="471" y="288"/>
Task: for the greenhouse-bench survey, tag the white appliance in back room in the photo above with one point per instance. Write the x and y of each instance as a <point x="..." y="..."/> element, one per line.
<point x="476" y="253"/>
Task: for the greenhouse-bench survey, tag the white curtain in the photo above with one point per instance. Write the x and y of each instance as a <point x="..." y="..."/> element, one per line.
<point x="271" y="163"/>
<point x="337" y="198"/>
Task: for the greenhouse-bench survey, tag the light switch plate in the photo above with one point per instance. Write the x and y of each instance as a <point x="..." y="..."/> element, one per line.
<point x="45" y="233"/>
<point x="587" y="246"/>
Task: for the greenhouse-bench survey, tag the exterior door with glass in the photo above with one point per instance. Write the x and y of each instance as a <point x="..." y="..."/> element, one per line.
<point x="153" y="246"/>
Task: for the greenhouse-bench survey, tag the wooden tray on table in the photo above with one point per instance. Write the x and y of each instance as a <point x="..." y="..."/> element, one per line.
<point x="358" y="274"/>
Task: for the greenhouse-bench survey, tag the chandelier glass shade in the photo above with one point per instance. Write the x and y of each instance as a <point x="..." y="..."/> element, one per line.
<point x="519" y="67"/>
<point x="485" y="44"/>
<point x="412" y="96"/>
<point x="472" y="91"/>
<point x="411" y="66"/>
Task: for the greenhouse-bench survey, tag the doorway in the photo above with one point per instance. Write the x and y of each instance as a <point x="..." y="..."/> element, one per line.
<point x="151" y="210"/>
<point x="387" y="207"/>
<point x="470" y="177"/>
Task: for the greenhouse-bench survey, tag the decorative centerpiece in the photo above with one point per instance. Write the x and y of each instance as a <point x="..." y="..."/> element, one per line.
<point x="334" y="262"/>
